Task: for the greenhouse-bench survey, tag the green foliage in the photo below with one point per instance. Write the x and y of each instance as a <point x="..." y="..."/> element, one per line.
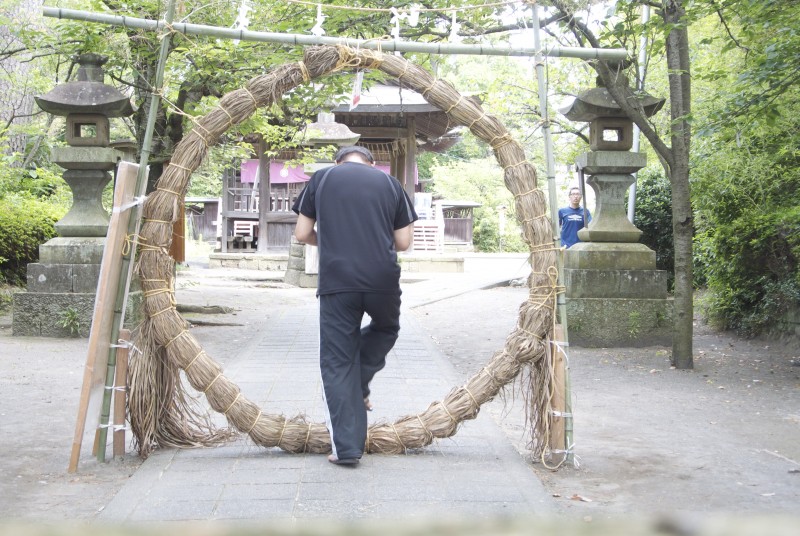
<point x="481" y="181"/>
<point x="634" y="324"/>
<point x="653" y="216"/>
<point x="766" y="37"/>
<point x="70" y="320"/>
<point x="6" y="297"/>
<point x="24" y="225"/>
<point x="745" y="192"/>
<point x="34" y="183"/>
<point x="755" y="277"/>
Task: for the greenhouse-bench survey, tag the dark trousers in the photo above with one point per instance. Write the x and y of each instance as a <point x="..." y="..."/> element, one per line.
<point x="349" y="358"/>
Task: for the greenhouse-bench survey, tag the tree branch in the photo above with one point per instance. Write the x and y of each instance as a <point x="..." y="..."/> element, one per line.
<point x="718" y="11"/>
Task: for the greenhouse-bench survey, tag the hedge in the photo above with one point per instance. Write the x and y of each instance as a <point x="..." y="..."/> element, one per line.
<point x="24" y="225"/>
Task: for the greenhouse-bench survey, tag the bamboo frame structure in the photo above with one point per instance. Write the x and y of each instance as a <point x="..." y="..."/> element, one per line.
<point x="165" y="334"/>
<point x="564" y="421"/>
<point x="391" y="45"/>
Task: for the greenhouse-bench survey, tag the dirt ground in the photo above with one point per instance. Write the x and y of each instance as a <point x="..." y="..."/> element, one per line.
<point x="724" y="437"/>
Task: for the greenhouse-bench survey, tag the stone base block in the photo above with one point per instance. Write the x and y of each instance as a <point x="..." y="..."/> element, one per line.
<point x="300" y="279"/>
<point x="80" y="278"/>
<point x="432" y="263"/>
<point x="41" y="314"/>
<point x="618" y="322"/>
<point x="639" y="284"/>
<point x="273" y="262"/>
<point x="609" y="256"/>
<point x="83" y="250"/>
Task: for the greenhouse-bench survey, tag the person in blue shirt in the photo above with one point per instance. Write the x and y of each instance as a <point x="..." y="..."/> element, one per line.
<point x="571" y="218"/>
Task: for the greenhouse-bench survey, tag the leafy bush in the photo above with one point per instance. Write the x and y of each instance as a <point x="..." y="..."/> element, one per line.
<point x="754" y="278"/>
<point x="24" y="224"/>
<point x="653" y="216"/>
<point x="745" y="186"/>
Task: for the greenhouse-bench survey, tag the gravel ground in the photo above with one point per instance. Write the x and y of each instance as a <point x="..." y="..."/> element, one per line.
<point x="722" y="438"/>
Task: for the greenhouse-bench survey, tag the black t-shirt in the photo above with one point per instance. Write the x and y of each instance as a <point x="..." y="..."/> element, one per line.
<point x="357" y="209"/>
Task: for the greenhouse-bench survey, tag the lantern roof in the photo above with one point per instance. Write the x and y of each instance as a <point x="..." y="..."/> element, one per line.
<point x="598" y="102"/>
<point x="87" y="94"/>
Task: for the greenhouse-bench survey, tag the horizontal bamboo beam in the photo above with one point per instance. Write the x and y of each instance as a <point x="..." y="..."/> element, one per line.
<point x="388" y="45"/>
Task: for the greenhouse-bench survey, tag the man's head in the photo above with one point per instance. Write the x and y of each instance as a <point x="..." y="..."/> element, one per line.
<point x="354" y="153"/>
<point x="574" y="197"/>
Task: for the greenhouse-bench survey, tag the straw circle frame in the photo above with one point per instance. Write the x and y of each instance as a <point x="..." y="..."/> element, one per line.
<point x="526" y="347"/>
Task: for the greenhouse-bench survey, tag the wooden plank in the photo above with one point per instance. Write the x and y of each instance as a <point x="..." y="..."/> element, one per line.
<point x="177" y="248"/>
<point x="558" y="445"/>
<point x="121" y="393"/>
<point x="102" y="319"/>
<point x="390" y="133"/>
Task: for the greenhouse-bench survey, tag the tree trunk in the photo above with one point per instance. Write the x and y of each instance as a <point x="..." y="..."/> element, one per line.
<point x="677" y="51"/>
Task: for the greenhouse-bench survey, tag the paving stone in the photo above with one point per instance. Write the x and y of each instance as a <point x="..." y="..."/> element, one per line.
<point x="476" y="473"/>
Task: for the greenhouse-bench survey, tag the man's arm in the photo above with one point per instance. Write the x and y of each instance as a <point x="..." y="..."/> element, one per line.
<point x="403" y="237"/>
<point x="304" y="230"/>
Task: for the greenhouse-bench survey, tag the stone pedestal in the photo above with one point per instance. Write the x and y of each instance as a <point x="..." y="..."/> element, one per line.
<point x="296" y="273"/>
<point x="64" y="284"/>
<point x="615" y="296"/>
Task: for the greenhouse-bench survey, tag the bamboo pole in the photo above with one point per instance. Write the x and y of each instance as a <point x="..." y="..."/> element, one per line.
<point x="133" y="224"/>
<point x="637" y="133"/>
<point x="121" y="392"/>
<point x="305" y="40"/>
<point x="566" y="439"/>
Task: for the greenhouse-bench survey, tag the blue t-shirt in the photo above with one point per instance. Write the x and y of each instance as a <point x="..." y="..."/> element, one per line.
<point x="571" y="221"/>
<point x="357" y="209"/>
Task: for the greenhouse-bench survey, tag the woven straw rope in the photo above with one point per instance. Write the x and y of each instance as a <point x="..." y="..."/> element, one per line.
<point x="525" y="345"/>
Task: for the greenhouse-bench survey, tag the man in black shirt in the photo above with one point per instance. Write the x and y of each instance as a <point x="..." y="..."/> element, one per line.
<point x="363" y="218"/>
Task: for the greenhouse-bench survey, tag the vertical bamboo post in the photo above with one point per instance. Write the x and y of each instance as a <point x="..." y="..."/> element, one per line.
<point x="141" y="183"/>
<point x="561" y="424"/>
<point x="121" y="392"/>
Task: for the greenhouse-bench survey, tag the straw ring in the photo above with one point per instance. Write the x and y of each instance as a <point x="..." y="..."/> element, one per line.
<point x="187" y="367"/>
<point x="254" y="422"/>
<point x="212" y="383"/>
<point x="232" y="403"/>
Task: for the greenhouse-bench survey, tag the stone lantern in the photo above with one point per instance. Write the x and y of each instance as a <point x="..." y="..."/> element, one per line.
<point x="65" y="278"/>
<point x="303" y="266"/>
<point x="87" y="103"/>
<point x="615" y="296"/>
<point x="323" y="132"/>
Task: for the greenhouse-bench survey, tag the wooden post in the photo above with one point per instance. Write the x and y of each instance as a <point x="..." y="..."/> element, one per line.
<point x="121" y="392"/>
<point x="411" y="157"/>
<point x="264" y="196"/>
<point x="177" y="249"/>
<point x="558" y="444"/>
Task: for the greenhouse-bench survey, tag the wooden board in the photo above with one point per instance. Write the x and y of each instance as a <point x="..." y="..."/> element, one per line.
<point x="94" y="373"/>
<point x="558" y="445"/>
